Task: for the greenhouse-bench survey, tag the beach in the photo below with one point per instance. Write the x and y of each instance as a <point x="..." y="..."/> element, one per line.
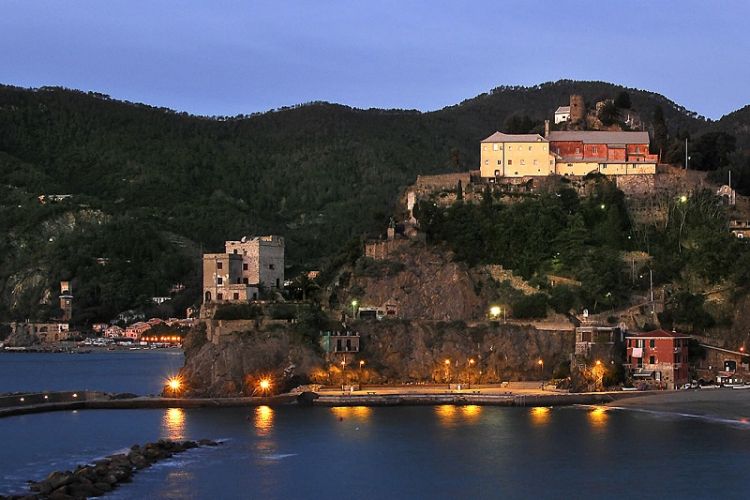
<point x="715" y="404"/>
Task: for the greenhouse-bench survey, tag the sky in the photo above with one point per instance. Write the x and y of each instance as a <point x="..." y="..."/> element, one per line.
<point x="222" y="57"/>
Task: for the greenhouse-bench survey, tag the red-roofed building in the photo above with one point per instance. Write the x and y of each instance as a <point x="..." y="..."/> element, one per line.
<point x="659" y="356"/>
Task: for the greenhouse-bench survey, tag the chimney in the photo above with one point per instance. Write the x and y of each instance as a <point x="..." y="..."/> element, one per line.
<point x="546" y="128"/>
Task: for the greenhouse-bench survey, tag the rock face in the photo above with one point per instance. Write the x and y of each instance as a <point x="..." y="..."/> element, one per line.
<point x="226" y="358"/>
<point x="229" y="362"/>
<point x="416" y="351"/>
<point x="428" y="285"/>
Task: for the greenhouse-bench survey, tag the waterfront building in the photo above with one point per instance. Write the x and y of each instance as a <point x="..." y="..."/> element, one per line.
<point x="136" y="330"/>
<point x="659" y="357"/>
<point x="723" y="365"/>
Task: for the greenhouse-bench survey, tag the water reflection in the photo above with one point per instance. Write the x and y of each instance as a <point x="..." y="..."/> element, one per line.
<point x="361" y="413"/>
<point x="173" y="423"/>
<point x="450" y="415"/>
<point x="263" y="420"/>
<point x="598" y="416"/>
<point x="540" y="415"/>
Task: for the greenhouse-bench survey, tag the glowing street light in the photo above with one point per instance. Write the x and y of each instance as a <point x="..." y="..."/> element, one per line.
<point x="447" y="364"/>
<point x="361" y="364"/>
<point x="355" y="303"/>
<point x="343" y="374"/>
<point x="264" y="385"/>
<point x="471" y="365"/>
<point x="174" y="384"/>
<point x="683" y="199"/>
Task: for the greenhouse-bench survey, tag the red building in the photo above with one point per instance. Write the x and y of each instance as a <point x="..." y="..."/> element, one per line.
<point x="659" y="357"/>
<point x="601" y="146"/>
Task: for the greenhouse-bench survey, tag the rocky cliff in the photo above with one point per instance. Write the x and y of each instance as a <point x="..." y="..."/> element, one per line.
<point x="229" y="357"/>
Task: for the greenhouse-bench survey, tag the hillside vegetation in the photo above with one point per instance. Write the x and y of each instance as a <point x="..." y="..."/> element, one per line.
<point x="152" y="188"/>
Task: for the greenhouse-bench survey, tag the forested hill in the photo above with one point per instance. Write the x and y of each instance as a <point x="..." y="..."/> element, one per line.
<point x="152" y="187"/>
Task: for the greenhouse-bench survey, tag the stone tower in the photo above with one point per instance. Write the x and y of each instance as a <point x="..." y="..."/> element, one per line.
<point x="577" y="108"/>
<point x="66" y="301"/>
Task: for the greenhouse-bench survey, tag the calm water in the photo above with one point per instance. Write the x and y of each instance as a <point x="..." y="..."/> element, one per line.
<point x="420" y="452"/>
<point x="139" y="372"/>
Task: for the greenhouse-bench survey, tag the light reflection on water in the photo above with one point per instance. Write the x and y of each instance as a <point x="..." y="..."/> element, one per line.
<point x="359" y="413"/>
<point x="598" y="416"/>
<point x="173" y="423"/>
<point x="451" y="415"/>
<point x="540" y="415"/>
<point x="263" y="420"/>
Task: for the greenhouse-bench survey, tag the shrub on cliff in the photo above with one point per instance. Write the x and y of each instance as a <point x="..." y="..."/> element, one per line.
<point x="530" y="306"/>
<point x="238" y="311"/>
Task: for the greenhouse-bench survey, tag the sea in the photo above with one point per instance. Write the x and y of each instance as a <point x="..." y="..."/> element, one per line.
<point x="367" y="453"/>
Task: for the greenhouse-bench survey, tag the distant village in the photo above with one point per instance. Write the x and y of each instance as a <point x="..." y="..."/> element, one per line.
<point x="251" y="270"/>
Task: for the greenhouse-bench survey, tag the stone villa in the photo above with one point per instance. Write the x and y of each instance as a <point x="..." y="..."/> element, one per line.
<point x="237" y="274"/>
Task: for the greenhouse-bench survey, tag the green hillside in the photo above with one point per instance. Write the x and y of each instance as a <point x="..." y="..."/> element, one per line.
<point x="152" y="188"/>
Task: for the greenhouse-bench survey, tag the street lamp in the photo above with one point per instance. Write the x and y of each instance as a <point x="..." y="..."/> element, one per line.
<point x="343" y="375"/>
<point x="448" y="371"/>
<point x="471" y="365"/>
<point x="355" y="303"/>
<point x="174" y="384"/>
<point x="541" y="369"/>
<point x="361" y="364"/>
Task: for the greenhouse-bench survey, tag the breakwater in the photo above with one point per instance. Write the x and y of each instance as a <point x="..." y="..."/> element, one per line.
<point x="102" y="476"/>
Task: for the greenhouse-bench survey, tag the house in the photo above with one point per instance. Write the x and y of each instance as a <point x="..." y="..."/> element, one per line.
<point x="47" y="332"/>
<point x="113" y="332"/>
<point x="723" y="365"/>
<point x="562" y="114"/>
<point x="515" y="155"/>
<point x="740" y="228"/>
<point x="340" y="342"/>
<point x="136" y="330"/>
<point x="223" y="279"/>
<point x="583" y="152"/>
<point x="659" y="357"/>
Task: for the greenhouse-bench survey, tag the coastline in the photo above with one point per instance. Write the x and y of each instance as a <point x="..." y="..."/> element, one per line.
<point x="725" y="405"/>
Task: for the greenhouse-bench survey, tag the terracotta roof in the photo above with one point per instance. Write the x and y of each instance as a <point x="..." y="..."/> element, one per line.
<point x="599" y="137"/>
<point x="500" y="137"/>
<point x="563" y="109"/>
<point x="658" y="334"/>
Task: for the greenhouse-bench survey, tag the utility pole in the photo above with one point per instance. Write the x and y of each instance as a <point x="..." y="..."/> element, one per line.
<point x="686" y="153"/>
<point x="651" y="287"/>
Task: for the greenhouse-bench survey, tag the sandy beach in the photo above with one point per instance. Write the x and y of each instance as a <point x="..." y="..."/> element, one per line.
<point x="723" y="404"/>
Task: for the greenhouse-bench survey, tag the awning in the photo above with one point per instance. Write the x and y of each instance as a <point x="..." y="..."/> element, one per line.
<point x="637" y="352"/>
<point x="643" y="374"/>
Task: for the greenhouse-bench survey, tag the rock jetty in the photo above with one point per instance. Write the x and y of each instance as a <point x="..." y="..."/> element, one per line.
<point x="104" y="475"/>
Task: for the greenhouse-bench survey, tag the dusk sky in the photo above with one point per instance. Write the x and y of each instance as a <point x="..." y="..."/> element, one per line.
<point x="235" y="57"/>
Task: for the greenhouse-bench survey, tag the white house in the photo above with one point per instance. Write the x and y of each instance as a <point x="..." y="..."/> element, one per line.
<point x="562" y="114"/>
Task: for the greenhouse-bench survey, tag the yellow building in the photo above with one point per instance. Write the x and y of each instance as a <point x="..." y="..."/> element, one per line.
<point x="516" y="155"/>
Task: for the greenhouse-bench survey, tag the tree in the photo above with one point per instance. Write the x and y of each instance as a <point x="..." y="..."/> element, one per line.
<point x="661" y="133"/>
<point x="609" y="114"/>
<point x="622" y="100"/>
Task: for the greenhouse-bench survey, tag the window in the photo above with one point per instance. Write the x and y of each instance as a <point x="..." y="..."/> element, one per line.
<point x="219" y="296"/>
<point x="578" y="151"/>
<point x="497" y="173"/>
<point x="271" y="266"/>
<point x="495" y="147"/>
<point x="499" y="162"/>
<point x="235" y="251"/>
<point x="523" y="162"/>
<point x="536" y="162"/>
<point x="652" y="343"/>
<point x="219" y="265"/>
<point x="519" y="147"/>
<point x="219" y="280"/>
<point x="486" y="162"/>
<point x="594" y="150"/>
<point x="530" y="148"/>
<point x="652" y="360"/>
<point x="510" y="162"/>
<point x="245" y="281"/>
<point x="244" y="267"/>
<point x="236" y="296"/>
